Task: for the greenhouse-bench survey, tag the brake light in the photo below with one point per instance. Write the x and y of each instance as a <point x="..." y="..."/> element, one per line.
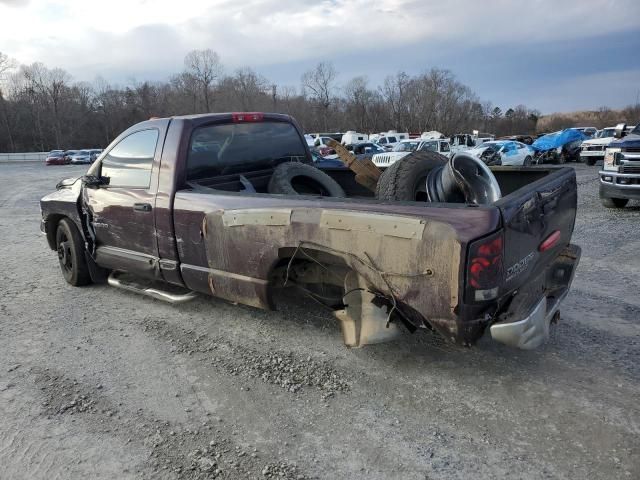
<point x="484" y="273"/>
<point x="238" y="117"/>
<point x="550" y="241"/>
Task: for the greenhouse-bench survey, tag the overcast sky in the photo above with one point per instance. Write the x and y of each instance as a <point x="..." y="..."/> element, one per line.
<point x="555" y="55"/>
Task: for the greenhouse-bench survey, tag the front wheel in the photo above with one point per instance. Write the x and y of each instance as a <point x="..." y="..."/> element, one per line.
<point x="527" y="161"/>
<point x="71" y="254"/>
<point x="614" y="202"/>
<point x="590" y="161"/>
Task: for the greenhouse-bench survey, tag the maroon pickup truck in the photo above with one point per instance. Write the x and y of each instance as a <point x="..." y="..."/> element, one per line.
<point x="230" y="205"/>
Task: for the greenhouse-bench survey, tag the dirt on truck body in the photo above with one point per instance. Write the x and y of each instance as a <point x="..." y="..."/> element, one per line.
<point x="230" y="205"/>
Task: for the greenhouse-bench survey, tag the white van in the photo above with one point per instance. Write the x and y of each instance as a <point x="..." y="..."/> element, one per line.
<point x="353" y="137"/>
<point x="388" y="140"/>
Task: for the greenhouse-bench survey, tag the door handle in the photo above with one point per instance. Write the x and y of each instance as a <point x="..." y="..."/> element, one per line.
<point x="142" y="207"/>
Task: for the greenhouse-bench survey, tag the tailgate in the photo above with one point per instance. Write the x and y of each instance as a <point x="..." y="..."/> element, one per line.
<point x="540" y="211"/>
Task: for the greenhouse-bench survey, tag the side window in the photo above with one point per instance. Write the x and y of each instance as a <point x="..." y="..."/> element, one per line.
<point x="444" y="147"/>
<point x="392" y="139"/>
<point x="128" y="164"/>
<point x="383" y="141"/>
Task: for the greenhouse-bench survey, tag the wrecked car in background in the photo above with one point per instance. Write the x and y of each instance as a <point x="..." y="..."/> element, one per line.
<point x="559" y="147"/>
<point x="230" y="205"/>
<point x="504" y="152"/>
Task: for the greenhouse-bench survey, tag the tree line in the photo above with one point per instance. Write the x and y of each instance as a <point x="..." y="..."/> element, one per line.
<point x="43" y="108"/>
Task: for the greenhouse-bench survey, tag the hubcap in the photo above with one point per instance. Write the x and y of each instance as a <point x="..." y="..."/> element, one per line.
<point x="64" y="254"/>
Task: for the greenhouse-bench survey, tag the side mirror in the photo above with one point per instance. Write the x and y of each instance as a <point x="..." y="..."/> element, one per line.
<point x="93" y="181"/>
<point x="619" y="132"/>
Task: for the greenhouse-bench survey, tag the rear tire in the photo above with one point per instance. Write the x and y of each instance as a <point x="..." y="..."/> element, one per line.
<point x="527" y="161"/>
<point x="406" y="179"/>
<point x="614" y="202"/>
<point x="590" y="161"/>
<point x="70" y="249"/>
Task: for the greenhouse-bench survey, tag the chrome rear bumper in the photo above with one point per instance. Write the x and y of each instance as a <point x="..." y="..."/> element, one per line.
<point x="533" y="330"/>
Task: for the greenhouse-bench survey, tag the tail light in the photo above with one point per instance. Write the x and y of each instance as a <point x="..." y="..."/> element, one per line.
<point x="484" y="268"/>
<point x="239" y="117"/>
<point x="550" y="241"/>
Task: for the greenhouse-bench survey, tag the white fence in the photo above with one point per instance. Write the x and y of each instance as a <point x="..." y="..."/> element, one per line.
<point x="23" y="157"/>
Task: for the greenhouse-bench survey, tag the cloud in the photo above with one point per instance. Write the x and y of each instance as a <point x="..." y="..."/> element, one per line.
<point x="14" y="3"/>
<point x="123" y="38"/>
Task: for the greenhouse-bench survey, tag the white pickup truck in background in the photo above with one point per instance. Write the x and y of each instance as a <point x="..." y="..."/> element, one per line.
<point x="593" y="149"/>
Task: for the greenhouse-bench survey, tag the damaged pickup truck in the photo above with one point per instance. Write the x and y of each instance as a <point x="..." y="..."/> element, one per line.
<point x="230" y="205"/>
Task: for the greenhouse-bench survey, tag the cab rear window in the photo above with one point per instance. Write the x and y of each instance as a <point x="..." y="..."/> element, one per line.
<point x="225" y="149"/>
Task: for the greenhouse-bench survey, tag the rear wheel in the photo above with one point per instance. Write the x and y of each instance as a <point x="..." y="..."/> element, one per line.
<point x="590" y="161"/>
<point x="527" y="161"/>
<point x="70" y="249"/>
<point x="614" y="202"/>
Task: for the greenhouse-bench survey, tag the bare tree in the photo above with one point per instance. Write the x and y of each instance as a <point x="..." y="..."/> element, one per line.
<point x="206" y="68"/>
<point x="320" y="83"/>
<point x="6" y="64"/>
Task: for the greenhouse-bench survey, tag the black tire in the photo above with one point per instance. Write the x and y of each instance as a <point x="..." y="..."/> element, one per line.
<point x="527" y="161"/>
<point x="561" y="159"/>
<point x="614" y="202"/>
<point x="295" y="178"/>
<point x="590" y="161"/>
<point x="406" y="179"/>
<point x="70" y="249"/>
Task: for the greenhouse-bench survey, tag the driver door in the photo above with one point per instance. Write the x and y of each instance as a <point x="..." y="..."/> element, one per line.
<point x="121" y="210"/>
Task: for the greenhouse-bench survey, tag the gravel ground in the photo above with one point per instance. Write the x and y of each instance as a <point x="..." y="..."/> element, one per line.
<point x="100" y="383"/>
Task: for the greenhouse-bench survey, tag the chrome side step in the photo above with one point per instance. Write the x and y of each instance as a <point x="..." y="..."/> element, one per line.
<point x="115" y="280"/>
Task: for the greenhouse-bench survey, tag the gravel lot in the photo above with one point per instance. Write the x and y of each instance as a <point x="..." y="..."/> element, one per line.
<point x="100" y="383"/>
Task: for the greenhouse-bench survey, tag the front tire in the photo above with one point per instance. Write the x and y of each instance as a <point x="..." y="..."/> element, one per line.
<point x="614" y="202"/>
<point x="590" y="161"/>
<point x="527" y="161"/>
<point x="70" y="249"/>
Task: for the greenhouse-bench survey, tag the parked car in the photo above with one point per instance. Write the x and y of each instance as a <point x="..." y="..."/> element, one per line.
<point x="405" y="147"/>
<point x="69" y="153"/>
<point x="56" y="157"/>
<point x="388" y="140"/>
<point x="95" y="153"/>
<point x="464" y="141"/>
<point x="360" y="150"/>
<point x="246" y="213"/>
<point x="593" y="149"/>
<point x="82" y="157"/>
<point x="504" y="152"/>
<point x="620" y="174"/>
<point x="559" y="147"/>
